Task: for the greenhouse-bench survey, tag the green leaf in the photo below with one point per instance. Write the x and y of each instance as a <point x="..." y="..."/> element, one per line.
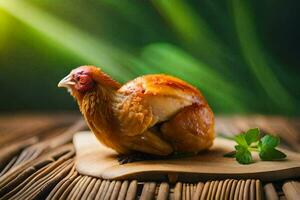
<point x="243" y="155"/>
<point x="266" y="147"/>
<point x="271" y="154"/>
<point x="268" y="141"/>
<point x="241" y="140"/>
<point x="252" y="135"/>
<point x="230" y="154"/>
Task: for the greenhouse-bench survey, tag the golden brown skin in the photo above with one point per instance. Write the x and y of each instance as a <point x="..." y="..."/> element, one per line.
<point x="156" y="114"/>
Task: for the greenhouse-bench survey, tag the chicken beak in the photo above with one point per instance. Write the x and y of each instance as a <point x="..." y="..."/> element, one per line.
<point x="66" y="82"/>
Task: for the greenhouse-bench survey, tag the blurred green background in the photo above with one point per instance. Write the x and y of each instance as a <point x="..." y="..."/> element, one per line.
<point x="243" y="55"/>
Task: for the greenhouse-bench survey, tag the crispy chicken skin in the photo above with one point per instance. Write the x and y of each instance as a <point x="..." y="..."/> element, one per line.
<point x="155" y="114"/>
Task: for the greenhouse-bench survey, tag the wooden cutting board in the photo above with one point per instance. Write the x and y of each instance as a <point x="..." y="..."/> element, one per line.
<point x="94" y="159"/>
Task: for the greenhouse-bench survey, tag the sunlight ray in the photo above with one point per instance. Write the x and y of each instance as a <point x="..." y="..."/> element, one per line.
<point x="92" y="50"/>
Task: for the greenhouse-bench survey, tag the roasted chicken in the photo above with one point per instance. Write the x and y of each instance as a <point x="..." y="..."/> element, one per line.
<point x="154" y="114"/>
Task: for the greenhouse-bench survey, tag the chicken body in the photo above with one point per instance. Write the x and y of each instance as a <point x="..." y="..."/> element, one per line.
<point x="154" y="114"/>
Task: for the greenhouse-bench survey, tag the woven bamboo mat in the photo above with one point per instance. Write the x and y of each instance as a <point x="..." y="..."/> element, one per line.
<point x="37" y="162"/>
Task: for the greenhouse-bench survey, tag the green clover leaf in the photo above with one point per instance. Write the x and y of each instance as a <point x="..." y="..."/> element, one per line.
<point x="243" y="155"/>
<point x="252" y="136"/>
<point x="266" y="147"/>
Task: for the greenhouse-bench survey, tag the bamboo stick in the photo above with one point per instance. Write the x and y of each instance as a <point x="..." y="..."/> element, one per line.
<point x="132" y="189"/>
<point x="148" y="192"/>
<point x="291" y="190"/>
<point x="270" y="192"/>
<point x="163" y="192"/>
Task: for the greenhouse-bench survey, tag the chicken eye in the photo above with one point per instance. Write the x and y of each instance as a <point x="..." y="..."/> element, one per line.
<point x="83" y="79"/>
